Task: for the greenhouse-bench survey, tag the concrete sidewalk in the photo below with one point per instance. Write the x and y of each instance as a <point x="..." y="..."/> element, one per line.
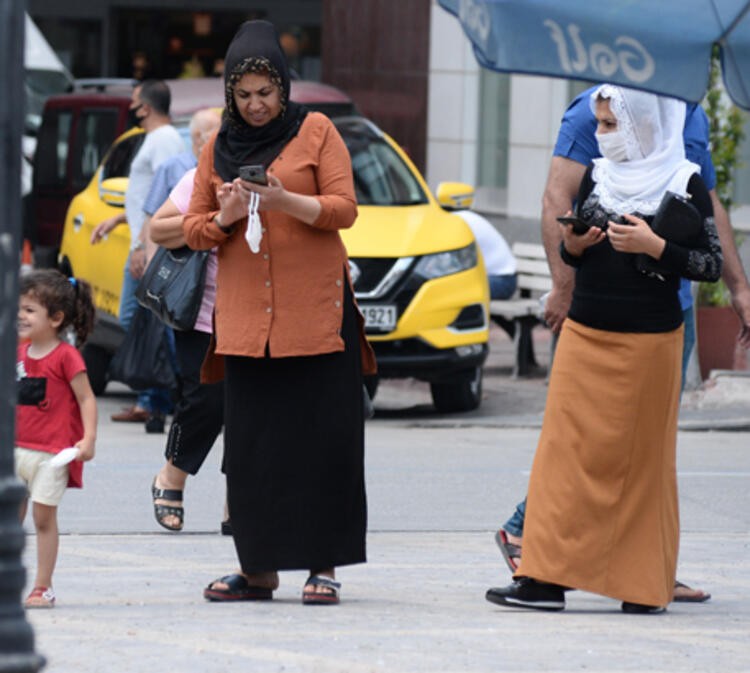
<point x="130" y="594"/>
<point x="132" y="603"/>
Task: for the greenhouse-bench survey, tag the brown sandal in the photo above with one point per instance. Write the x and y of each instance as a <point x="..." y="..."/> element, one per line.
<point x="698" y="596"/>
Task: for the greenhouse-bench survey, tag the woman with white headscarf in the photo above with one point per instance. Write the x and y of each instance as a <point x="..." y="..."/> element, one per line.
<point x="602" y="512"/>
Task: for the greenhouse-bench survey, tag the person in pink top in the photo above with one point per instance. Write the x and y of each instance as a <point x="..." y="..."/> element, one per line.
<point x="56" y="408"/>
<point x="199" y="410"/>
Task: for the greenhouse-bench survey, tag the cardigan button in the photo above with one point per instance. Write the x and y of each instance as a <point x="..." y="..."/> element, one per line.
<point x="268" y="310"/>
<point x="338" y="283"/>
<point x="337" y="303"/>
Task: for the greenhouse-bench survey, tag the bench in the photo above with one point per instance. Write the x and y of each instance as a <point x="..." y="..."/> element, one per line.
<point x="521" y="313"/>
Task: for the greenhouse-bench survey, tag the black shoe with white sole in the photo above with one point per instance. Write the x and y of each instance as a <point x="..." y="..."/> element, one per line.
<point x="638" y="609"/>
<point x="528" y="593"/>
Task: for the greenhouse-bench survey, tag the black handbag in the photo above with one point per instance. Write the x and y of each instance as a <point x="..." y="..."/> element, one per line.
<point x="144" y="358"/>
<point x="676" y="220"/>
<point x="172" y="286"/>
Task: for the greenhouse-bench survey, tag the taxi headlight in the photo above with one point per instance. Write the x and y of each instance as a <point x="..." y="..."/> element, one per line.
<point x="446" y="263"/>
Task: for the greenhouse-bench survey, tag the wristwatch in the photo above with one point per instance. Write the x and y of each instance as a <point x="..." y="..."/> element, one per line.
<point x="226" y="230"/>
<point x="140" y="245"/>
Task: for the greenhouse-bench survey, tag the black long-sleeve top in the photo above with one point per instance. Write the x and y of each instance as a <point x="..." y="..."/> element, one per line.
<point x="612" y="294"/>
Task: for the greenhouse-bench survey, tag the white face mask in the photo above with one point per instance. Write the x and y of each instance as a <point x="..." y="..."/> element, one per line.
<point x="613" y="146"/>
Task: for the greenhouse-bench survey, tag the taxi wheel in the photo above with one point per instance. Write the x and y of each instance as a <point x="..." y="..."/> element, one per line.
<point x="462" y="395"/>
<point x="97" y="364"/>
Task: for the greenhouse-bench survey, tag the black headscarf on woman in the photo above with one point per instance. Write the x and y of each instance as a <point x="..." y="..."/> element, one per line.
<point x="254" y="48"/>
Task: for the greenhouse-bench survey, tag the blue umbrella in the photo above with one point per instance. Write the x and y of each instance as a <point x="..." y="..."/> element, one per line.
<point x="662" y="46"/>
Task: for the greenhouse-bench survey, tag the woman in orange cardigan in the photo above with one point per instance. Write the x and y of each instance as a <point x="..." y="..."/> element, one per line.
<point x="289" y="338"/>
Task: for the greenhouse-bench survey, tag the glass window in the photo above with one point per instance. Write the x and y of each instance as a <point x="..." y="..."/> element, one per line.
<point x="40" y="85"/>
<point x="494" y="123"/>
<point x="51" y="158"/>
<point x="96" y="130"/>
<point x="576" y="86"/>
<point x="117" y="163"/>
<point x="381" y="178"/>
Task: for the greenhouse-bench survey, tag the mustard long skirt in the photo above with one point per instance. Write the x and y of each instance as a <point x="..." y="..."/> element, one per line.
<point x="602" y="511"/>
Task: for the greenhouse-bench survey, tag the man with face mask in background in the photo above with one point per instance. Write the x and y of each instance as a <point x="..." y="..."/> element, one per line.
<point x="149" y="108"/>
<point x="574" y="150"/>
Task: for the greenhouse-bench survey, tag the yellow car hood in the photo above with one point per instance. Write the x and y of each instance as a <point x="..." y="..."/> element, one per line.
<point x="402" y="231"/>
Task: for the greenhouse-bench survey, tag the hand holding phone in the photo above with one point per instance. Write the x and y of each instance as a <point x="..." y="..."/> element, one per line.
<point x="579" y="226"/>
<point x="255" y="173"/>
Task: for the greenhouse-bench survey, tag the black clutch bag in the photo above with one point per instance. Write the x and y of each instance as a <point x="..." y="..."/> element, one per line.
<point x="676" y="220"/>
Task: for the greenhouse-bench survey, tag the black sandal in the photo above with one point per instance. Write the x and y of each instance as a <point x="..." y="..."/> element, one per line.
<point x="238" y="589"/>
<point x="330" y="597"/>
<point x="163" y="511"/>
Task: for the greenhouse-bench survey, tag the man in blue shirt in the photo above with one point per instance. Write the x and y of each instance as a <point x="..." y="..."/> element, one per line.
<point x="574" y="150"/>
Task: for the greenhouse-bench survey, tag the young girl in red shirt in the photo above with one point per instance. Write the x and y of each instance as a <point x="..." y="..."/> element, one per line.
<point x="56" y="407"/>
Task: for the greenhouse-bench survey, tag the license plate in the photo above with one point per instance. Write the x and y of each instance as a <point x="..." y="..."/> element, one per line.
<point x="382" y="317"/>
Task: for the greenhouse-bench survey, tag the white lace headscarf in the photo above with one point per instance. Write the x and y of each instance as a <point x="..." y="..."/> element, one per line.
<point x="656" y="163"/>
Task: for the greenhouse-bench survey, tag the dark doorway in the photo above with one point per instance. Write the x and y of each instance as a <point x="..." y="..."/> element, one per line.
<point x="172" y="44"/>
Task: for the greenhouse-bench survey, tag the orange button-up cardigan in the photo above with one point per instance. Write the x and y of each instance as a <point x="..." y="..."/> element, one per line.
<point x="289" y="296"/>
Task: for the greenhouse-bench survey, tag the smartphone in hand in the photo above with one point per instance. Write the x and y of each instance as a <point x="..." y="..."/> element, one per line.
<point x="255" y="173"/>
<point x="579" y="226"/>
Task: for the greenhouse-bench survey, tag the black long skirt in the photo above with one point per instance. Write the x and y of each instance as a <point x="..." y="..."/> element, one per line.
<point x="294" y="458"/>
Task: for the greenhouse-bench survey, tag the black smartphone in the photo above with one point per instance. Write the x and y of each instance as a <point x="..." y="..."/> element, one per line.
<point x="255" y="173"/>
<point x="579" y="226"/>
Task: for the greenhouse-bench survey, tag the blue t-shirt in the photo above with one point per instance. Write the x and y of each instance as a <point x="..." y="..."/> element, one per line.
<point x="576" y="141"/>
<point x="165" y="179"/>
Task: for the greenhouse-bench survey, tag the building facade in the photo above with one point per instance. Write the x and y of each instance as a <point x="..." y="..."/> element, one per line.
<point x="406" y="64"/>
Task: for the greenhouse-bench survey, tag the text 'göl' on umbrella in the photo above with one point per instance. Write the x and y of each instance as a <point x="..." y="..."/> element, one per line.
<point x="662" y="46"/>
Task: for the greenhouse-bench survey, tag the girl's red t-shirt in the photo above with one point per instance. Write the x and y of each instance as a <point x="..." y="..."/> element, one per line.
<point x="53" y="423"/>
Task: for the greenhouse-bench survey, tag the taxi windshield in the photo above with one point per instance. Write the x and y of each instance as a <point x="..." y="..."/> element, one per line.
<point x="381" y="178"/>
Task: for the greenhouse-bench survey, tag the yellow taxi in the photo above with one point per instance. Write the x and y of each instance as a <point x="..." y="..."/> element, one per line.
<point x="418" y="274"/>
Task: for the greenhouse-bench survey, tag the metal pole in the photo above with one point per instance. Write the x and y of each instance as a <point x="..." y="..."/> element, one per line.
<point x="16" y="637"/>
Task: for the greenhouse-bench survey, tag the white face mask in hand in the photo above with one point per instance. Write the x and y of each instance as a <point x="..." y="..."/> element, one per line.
<point x="254" y="232"/>
<point x="612" y="146"/>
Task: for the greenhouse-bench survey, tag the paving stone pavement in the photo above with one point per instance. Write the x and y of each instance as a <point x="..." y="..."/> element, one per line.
<point x="129" y="593"/>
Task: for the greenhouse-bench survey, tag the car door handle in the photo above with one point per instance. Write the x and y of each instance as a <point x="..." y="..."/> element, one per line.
<point x="77" y="222"/>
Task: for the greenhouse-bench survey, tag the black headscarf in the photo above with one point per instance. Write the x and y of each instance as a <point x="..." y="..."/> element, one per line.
<point x="254" y="48"/>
